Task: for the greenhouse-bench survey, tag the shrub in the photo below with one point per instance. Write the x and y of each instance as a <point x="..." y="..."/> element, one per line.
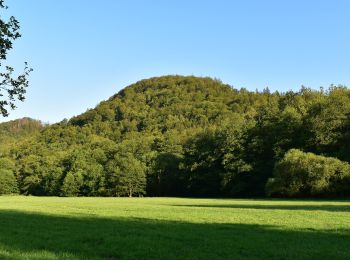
<point x="301" y="174"/>
<point x="8" y="182"/>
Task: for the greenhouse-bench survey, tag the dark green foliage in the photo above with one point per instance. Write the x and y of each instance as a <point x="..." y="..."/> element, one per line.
<point x="129" y="176"/>
<point x="8" y="183"/>
<point x="301" y="174"/>
<point x="203" y="165"/>
<point x="165" y="178"/>
<point x="179" y="136"/>
<point x="71" y="184"/>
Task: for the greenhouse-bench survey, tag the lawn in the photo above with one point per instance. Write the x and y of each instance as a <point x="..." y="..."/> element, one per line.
<point x="172" y="228"/>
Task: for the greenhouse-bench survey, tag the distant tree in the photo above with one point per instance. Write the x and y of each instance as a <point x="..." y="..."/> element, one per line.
<point x="12" y="88"/>
<point x="82" y="163"/>
<point x="8" y="182"/>
<point x="236" y="176"/>
<point x="130" y="176"/>
<point x="51" y="175"/>
<point x="164" y="177"/>
<point x="71" y="185"/>
<point x="29" y="175"/>
<point x="203" y="164"/>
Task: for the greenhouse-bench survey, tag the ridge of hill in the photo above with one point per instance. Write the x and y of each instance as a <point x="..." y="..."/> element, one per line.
<point x="15" y="131"/>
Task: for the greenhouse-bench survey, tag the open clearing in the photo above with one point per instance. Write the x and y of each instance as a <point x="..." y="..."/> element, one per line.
<point x="172" y="228"/>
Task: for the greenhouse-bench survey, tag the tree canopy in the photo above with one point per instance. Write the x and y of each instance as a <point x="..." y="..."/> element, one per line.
<point x="185" y="136"/>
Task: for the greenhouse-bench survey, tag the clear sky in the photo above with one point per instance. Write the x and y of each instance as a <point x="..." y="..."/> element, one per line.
<point x="82" y="51"/>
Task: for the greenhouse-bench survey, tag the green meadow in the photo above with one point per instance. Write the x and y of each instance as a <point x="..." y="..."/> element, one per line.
<point x="172" y="228"/>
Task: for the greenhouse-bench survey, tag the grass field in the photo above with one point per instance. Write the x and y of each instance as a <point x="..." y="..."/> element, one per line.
<point x="172" y="228"/>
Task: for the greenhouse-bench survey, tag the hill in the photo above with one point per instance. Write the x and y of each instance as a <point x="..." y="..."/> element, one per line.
<point x="16" y="130"/>
<point x="185" y="136"/>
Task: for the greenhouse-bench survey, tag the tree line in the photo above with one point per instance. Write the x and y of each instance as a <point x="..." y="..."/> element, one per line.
<point x="189" y="136"/>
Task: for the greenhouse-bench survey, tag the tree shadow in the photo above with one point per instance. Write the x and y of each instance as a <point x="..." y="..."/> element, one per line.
<point x="322" y="207"/>
<point x="35" y="236"/>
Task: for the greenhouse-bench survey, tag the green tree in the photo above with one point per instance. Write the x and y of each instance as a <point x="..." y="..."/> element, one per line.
<point x="12" y="87"/>
<point x="29" y="175"/>
<point x="203" y="164"/>
<point x="71" y="185"/>
<point x="130" y="176"/>
<point x="8" y="182"/>
<point x="301" y="174"/>
<point x="164" y="177"/>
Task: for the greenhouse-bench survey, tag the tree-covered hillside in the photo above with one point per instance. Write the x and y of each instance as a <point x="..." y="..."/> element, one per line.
<point x="15" y="131"/>
<point x="187" y="136"/>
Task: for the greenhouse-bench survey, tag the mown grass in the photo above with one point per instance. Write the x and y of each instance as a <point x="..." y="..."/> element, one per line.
<point x="172" y="228"/>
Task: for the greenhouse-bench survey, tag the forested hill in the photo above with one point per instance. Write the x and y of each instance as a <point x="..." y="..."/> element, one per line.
<point x="165" y="103"/>
<point x="14" y="131"/>
<point x="190" y="136"/>
<point x="20" y="127"/>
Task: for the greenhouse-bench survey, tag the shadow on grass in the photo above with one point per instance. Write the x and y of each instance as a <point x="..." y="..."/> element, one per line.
<point x="31" y="236"/>
<point x="332" y="208"/>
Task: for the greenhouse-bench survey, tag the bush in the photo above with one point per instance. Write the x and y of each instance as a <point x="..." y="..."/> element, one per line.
<point x="301" y="174"/>
<point x="8" y="182"/>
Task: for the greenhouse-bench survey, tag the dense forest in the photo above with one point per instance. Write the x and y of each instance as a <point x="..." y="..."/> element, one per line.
<point x="187" y="136"/>
<point x="13" y="132"/>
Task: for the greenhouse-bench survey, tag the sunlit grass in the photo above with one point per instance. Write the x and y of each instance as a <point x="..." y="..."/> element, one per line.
<point x="172" y="228"/>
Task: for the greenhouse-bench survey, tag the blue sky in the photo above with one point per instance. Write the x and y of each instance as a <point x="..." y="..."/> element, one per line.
<point x="82" y="51"/>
